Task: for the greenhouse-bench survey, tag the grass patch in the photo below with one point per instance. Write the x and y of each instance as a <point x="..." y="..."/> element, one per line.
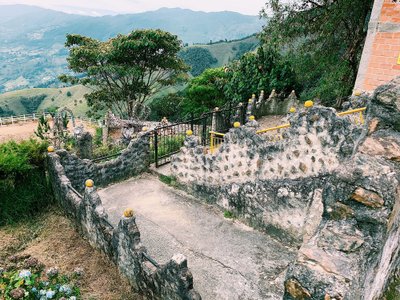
<point x="229" y="215"/>
<point x="169" y="180"/>
<point x="393" y="291"/>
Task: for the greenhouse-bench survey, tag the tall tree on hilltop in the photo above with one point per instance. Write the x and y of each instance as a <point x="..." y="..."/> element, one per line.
<point x="324" y="39"/>
<point x="264" y="70"/>
<point x="125" y="71"/>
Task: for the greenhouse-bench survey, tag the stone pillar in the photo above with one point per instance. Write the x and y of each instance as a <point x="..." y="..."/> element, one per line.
<point x="84" y="144"/>
<point x="250" y="107"/>
<point x="105" y="128"/>
<point x="214" y="119"/>
<point x="380" y="61"/>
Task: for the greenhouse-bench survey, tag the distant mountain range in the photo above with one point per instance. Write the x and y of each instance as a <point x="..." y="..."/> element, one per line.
<point x="32" y="52"/>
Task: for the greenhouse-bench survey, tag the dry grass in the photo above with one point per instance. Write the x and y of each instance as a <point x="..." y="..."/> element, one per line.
<point x="52" y="239"/>
<point x="25" y="130"/>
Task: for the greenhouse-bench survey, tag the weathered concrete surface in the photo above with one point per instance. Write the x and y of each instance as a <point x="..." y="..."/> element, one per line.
<point x="228" y="259"/>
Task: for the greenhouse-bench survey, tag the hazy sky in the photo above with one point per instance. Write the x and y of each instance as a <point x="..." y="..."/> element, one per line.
<point x="93" y="7"/>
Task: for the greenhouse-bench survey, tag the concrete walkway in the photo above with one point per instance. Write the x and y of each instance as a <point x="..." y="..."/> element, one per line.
<point x="228" y="259"/>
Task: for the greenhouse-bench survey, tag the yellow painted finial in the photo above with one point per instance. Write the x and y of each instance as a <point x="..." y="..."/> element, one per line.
<point x="250" y="100"/>
<point x="50" y="149"/>
<point x="292" y="110"/>
<point x="89" y="183"/>
<point x="357" y="93"/>
<point x="189" y="132"/>
<point x="129" y="213"/>
<point x="145" y="128"/>
<point x="309" y="104"/>
<point x="252" y="118"/>
<point x="236" y="124"/>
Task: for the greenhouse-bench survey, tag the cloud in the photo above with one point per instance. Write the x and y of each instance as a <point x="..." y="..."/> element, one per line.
<point x="251" y="7"/>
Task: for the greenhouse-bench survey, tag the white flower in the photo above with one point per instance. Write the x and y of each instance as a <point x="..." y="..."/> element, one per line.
<point x="24" y="274"/>
<point x="50" y="294"/>
<point x="65" y="289"/>
<point x="72" y="298"/>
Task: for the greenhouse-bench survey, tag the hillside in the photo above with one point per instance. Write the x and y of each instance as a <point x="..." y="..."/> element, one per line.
<point x="225" y="52"/>
<point x="28" y="100"/>
<point x="32" y="52"/>
<point x="31" y="100"/>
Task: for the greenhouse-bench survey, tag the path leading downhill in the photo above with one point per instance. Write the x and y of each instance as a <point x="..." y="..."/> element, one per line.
<point x="228" y="259"/>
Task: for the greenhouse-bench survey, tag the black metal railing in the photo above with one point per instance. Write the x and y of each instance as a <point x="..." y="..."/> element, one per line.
<point x="167" y="140"/>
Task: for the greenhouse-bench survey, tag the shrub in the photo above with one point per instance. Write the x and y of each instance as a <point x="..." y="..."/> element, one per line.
<point x="24" y="189"/>
<point x="228" y="214"/>
<point x="98" y="137"/>
<point x="33" y="283"/>
<point x="31" y="104"/>
<point x="69" y="94"/>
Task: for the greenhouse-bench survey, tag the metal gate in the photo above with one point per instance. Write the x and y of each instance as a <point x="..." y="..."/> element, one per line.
<point x="167" y="140"/>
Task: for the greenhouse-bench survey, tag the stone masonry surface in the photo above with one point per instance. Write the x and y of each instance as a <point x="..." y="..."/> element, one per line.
<point x="134" y="160"/>
<point x="329" y="188"/>
<point x="120" y="241"/>
<point x="229" y="260"/>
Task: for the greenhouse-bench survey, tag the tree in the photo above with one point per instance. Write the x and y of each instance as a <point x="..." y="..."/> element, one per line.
<point x="323" y="38"/>
<point x="265" y="70"/>
<point x="125" y="71"/>
<point x="198" y="59"/>
<point x="205" y="92"/>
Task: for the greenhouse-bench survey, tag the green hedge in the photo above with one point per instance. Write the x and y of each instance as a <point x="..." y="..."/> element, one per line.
<point x="24" y="188"/>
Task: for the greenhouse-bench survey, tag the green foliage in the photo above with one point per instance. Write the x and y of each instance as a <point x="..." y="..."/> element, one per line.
<point x="33" y="284"/>
<point x="243" y="49"/>
<point x="98" y="137"/>
<point x="4" y="112"/>
<point x="265" y="70"/>
<point x="170" y="180"/>
<point x="205" y="92"/>
<point x="106" y="150"/>
<point x="69" y="94"/>
<point x="31" y="104"/>
<point x="199" y="59"/>
<point x="126" y="70"/>
<point x="24" y="189"/>
<point x="229" y="215"/>
<point x="393" y="291"/>
<point x="168" y="144"/>
<point x="168" y="106"/>
<point x="43" y="129"/>
<point x="323" y="40"/>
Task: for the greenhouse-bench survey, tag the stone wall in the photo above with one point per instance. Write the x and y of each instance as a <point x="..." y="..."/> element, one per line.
<point x="263" y="181"/>
<point x="342" y="212"/>
<point x="273" y="105"/>
<point x="121" y="244"/>
<point x="134" y="160"/>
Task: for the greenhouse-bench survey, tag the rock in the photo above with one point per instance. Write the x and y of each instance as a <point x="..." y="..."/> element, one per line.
<point x="340" y="211"/>
<point x="294" y="289"/>
<point x="341" y="237"/>
<point x="18" y="293"/>
<point x="303" y="167"/>
<point x="373" y="125"/>
<point x="387" y="147"/>
<point x="389" y="94"/>
<point x="367" y="198"/>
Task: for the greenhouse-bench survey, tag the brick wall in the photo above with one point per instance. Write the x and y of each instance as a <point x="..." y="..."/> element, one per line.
<point x="380" y="62"/>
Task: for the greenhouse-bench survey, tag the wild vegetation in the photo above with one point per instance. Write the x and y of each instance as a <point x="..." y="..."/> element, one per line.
<point x="24" y="189"/>
<point x="264" y="70"/>
<point x="126" y="70"/>
<point x="323" y="40"/>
